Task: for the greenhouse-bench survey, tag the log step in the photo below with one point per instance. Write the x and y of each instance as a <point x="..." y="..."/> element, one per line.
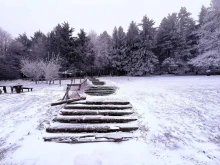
<point x="98" y="91"/>
<point x="102" y="102"/>
<point x="87" y="139"/>
<point x="93" y="119"/>
<point x="85" y="128"/>
<point x="99" y="94"/>
<point x="99" y="112"/>
<point x="97" y="107"/>
<point x="101" y="87"/>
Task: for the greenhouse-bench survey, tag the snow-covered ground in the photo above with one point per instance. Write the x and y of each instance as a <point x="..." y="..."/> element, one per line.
<point x="179" y="123"/>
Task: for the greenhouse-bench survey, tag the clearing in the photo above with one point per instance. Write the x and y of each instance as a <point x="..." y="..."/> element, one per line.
<point x="179" y="119"/>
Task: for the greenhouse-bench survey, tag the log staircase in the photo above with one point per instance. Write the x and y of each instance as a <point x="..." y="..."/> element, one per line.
<point x="93" y="121"/>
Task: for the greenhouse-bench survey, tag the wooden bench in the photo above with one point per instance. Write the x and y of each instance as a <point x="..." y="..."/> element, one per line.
<point x="22" y="89"/>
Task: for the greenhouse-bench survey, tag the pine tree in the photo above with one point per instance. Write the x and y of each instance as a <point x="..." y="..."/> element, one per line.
<point x="102" y="60"/>
<point x="38" y="46"/>
<point x="202" y="15"/>
<point x="147" y="60"/>
<point x="167" y="37"/>
<point x="132" y="47"/>
<point x="61" y="42"/>
<point x="118" y="50"/>
<point x="84" y="51"/>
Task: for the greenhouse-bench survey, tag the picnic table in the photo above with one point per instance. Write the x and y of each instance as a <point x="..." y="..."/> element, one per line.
<point x="18" y="88"/>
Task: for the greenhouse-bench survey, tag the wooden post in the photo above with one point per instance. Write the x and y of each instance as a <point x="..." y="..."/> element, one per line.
<point x="60" y="82"/>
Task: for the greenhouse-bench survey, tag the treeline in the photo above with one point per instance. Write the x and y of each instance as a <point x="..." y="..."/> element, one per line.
<point x="180" y="45"/>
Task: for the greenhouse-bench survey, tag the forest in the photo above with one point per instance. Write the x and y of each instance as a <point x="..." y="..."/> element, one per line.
<point x="180" y="45"/>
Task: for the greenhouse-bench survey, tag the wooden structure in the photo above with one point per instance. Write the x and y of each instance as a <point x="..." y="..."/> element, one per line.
<point x="17" y="88"/>
<point x="4" y="89"/>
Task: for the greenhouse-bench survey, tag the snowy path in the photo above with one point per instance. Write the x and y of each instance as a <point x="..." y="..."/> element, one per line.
<point x="180" y="119"/>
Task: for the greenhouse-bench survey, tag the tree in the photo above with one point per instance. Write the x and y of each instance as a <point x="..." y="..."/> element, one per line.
<point x="202" y="15"/>
<point x="8" y="60"/>
<point x="167" y="37"/>
<point x="5" y="40"/>
<point x="32" y="69"/>
<point x="147" y="59"/>
<point x="50" y="68"/>
<point x="102" y="60"/>
<point x="118" y="49"/>
<point x="85" y="52"/>
<point x="209" y="42"/>
<point x="60" y="41"/>
<point x="38" y="46"/>
<point x="132" y="47"/>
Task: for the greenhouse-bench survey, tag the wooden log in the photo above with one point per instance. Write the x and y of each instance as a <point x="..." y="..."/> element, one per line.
<point x="99" y="112"/>
<point x="67" y="101"/>
<point x="89" y="129"/>
<point x="103" y="102"/>
<point x="93" y="119"/>
<point x="85" y="139"/>
<point x="97" y="107"/>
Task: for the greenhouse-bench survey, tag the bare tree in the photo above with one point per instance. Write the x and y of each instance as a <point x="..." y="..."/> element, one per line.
<point x="32" y="69"/>
<point x="51" y="68"/>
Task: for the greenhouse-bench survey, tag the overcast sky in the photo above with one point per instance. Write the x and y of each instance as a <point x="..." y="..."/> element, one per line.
<point x="19" y="16"/>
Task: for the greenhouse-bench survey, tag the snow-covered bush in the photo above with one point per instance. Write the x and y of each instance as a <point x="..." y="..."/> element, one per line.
<point x="51" y="68"/>
<point x="210" y="59"/>
<point x="169" y="65"/>
<point x="37" y="69"/>
<point x="32" y="69"/>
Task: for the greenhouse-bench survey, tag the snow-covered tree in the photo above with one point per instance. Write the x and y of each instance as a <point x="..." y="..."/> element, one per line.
<point x="32" y="69"/>
<point x="167" y="37"/>
<point x="38" y="46"/>
<point x="133" y="43"/>
<point x="51" y="68"/>
<point x="5" y="40"/>
<point x="147" y="59"/>
<point x="202" y="15"/>
<point x="209" y="43"/>
<point x="118" y="49"/>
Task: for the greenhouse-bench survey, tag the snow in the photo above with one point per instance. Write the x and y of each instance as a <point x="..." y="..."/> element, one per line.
<point x="179" y="120"/>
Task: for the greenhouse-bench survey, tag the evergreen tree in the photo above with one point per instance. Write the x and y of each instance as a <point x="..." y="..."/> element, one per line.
<point x="118" y="49"/>
<point x="26" y="42"/>
<point x="146" y="58"/>
<point x="133" y="43"/>
<point x="102" y="60"/>
<point x="167" y="37"/>
<point x="60" y="41"/>
<point x="38" y="46"/>
<point x="202" y="15"/>
<point x="84" y="51"/>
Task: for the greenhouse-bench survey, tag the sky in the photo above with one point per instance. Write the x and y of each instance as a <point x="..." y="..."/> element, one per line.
<point x="19" y="16"/>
